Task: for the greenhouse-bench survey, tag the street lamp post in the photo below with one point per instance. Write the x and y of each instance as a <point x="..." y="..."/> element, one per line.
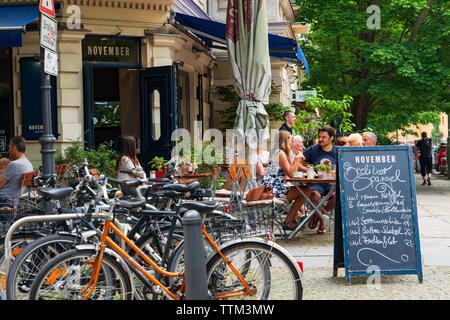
<point x="47" y="139"/>
<point x="48" y="29"/>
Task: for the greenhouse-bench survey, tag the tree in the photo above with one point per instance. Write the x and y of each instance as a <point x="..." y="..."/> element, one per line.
<point x="402" y="68"/>
<point x="332" y="112"/>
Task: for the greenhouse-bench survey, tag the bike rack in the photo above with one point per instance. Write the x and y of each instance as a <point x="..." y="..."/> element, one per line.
<point x="41" y="218"/>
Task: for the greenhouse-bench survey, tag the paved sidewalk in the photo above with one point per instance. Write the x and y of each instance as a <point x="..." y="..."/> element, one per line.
<point x="316" y="253"/>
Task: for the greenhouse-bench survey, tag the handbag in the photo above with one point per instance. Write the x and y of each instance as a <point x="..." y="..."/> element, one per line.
<point x="264" y="192"/>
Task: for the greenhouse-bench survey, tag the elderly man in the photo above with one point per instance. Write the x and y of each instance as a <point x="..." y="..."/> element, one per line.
<point x="369" y="139"/>
<point x="18" y="164"/>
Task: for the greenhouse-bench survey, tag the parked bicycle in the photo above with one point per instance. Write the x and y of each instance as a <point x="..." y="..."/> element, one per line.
<point x="252" y="268"/>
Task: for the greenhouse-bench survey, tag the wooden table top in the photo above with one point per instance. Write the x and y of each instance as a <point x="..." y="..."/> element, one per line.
<point x="194" y="175"/>
<point x="315" y="180"/>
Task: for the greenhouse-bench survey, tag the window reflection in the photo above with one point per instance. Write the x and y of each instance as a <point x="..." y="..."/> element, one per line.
<point x="156" y="115"/>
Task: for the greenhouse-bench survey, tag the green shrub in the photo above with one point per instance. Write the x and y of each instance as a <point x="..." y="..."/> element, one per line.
<point x="103" y="159"/>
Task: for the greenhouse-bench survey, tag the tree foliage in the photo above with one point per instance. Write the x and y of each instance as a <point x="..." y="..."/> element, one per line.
<point x="332" y="112"/>
<point x="228" y="95"/>
<point x="397" y="74"/>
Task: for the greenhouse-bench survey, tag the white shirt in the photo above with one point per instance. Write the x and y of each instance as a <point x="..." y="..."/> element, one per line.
<point x="126" y="163"/>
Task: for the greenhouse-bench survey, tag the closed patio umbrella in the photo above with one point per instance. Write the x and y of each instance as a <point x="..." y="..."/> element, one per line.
<point x="248" y="54"/>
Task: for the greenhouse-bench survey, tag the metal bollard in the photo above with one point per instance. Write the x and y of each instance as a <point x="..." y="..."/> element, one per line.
<point x="194" y="257"/>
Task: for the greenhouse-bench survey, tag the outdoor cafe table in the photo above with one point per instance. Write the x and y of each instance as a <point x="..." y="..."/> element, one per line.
<point x="298" y="182"/>
<point x="190" y="177"/>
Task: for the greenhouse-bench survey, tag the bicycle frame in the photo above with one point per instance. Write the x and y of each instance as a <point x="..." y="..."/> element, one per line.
<point x="106" y="240"/>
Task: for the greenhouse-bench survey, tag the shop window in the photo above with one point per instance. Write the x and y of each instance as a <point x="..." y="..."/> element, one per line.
<point x="32" y="125"/>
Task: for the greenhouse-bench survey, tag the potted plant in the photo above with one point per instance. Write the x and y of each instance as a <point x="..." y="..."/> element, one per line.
<point x="157" y="163"/>
<point x="322" y="169"/>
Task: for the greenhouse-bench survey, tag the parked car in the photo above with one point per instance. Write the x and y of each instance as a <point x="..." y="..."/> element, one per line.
<point x="440" y="158"/>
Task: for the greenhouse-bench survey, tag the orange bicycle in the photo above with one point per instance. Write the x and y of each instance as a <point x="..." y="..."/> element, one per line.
<point x="242" y="268"/>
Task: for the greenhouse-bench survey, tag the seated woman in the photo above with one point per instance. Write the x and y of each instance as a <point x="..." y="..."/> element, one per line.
<point x="279" y="168"/>
<point x="127" y="159"/>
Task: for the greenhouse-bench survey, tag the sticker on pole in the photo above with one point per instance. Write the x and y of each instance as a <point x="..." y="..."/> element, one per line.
<point x="48" y="32"/>
<point x="51" y="63"/>
<point x="47" y="7"/>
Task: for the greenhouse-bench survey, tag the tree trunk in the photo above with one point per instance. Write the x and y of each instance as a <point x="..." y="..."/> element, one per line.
<point x="360" y="111"/>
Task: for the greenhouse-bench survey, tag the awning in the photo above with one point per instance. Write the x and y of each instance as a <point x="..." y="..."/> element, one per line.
<point x="13" y="19"/>
<point x="189" y="7"/>
<point x="209" y="31"/>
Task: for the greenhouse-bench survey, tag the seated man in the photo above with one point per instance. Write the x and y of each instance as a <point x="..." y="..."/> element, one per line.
<point x="321" y="153"/>
<point x="369" y="139"/>
<point x="18" y="164"/>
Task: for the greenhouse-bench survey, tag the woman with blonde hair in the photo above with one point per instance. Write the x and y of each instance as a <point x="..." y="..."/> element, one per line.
<point x="279" y="168"/>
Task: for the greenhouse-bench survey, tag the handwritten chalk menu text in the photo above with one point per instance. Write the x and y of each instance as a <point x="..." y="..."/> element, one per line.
<point x="379" y="209"/>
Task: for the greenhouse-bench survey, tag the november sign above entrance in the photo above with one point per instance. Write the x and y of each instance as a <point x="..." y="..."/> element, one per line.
<point x="110" y="50"/>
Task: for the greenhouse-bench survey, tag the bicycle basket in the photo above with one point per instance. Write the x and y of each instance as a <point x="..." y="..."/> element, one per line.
<point x="249" y="224"/>
<point x="26" y="207"/>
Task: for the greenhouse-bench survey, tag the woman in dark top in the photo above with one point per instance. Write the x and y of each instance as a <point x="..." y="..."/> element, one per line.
<point x="426" y="165"/>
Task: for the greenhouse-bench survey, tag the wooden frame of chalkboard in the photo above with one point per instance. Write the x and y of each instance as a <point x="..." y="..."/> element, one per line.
<point x="379" y="211"/>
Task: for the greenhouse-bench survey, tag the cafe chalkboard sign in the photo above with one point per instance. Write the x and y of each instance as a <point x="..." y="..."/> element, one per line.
<point x="379" y="212"/>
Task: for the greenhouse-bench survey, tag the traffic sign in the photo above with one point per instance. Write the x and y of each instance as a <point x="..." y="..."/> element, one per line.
<point x="49" y="29"/>
<point x="47" y="7"/>
<point x="51" y="63"/>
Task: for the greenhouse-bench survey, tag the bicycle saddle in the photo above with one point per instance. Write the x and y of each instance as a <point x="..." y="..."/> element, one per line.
<point x="179" y="187"/>
<point x="55" y="193"/>
<point x="130" y="204"/>
<point x="168" y="194"/>
<point x="202" y="207"/>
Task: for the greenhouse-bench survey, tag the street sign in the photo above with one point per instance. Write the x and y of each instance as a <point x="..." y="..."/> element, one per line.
<point x="47" y="7"/>
<point x="51" y="63"/>
<point x="300" y="95"/>
<point x="48" y="32"/>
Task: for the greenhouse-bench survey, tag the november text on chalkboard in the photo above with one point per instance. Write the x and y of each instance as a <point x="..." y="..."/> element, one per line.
<point x="379" y="210"/>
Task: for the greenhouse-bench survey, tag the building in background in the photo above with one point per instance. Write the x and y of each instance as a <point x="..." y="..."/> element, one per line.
<point x="123" y="69"/>
<point x="132" y="67"/>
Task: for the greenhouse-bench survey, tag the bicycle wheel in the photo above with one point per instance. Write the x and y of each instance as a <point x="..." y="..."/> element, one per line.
<point x="18" y="242"/>
<point x="31" y="260"/>
<point x="65" y="276"/>
<point x="153" y="246"/>
<point x="267" y="268"/>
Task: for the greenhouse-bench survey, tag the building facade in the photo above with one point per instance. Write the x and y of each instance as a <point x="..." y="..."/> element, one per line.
<point x="123" y="69"/>
<point x="126" y="67"/>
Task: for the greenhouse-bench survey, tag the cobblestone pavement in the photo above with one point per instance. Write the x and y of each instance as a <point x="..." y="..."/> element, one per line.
<point x="316" y="253"/>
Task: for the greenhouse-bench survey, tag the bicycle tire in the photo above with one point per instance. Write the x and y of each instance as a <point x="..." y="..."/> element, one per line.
<point x="18" y="242"/>
<point x="143" y="244"/>
<point x="61" y="278"/>
<point x="29" y="262"/>
<point x="285" y="276"/>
